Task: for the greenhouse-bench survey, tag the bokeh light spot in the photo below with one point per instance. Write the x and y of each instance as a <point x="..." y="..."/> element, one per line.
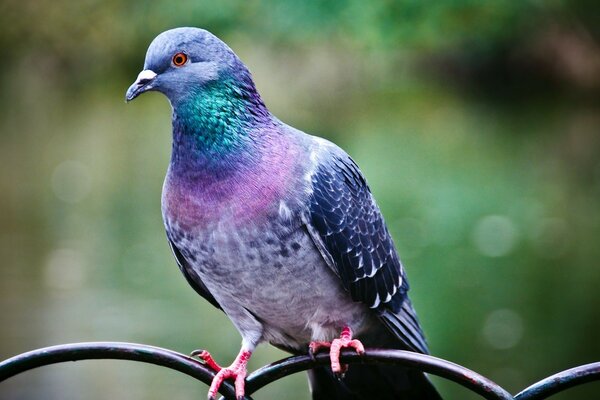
<point x="503" y="329"/>
<point x="495" y="235"/>
<point x="71" y="181"/>
<point x="64" y="270"/>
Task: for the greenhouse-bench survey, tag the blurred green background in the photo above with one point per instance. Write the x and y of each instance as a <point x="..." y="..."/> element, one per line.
<point x="477" y="124"/>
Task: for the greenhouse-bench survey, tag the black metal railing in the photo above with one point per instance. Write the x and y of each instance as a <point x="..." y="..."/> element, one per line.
<point x="277" y="370"/>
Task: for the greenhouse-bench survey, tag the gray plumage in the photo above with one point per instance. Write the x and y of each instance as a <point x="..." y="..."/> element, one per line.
<point x="276" y="227"/>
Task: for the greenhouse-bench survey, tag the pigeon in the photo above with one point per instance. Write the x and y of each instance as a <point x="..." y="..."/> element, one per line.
<point x="277" y="228"/>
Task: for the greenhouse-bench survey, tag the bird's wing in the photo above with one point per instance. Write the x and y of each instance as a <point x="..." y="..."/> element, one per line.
<point x="348" y="229"/>
<point x="197" y="284"/>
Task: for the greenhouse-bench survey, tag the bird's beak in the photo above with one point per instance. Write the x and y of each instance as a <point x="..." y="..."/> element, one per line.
<point x="142" y="84"/>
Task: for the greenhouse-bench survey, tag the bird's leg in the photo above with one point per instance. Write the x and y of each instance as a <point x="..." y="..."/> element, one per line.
<point x="344" y="341"/>
<point x="237" y="371"/>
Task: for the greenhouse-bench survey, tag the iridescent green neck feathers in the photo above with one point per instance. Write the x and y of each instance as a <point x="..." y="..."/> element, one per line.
<point x="218" y="121"/>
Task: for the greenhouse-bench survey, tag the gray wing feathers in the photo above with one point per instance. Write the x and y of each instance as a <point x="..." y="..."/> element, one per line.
<point x="348" y="229"/>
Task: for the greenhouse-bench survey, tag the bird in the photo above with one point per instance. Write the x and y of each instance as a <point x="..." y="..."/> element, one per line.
<point x="276" y="227"/>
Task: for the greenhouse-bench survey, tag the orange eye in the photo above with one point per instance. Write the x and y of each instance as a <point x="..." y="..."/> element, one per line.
<point x="179" y="59"/>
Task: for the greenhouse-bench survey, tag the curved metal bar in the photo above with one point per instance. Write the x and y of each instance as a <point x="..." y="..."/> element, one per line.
<point x="272" y="372"/>
<point x="561" y="381"/>
<point x="111" y="350"/>
<point x="433" y="365"/>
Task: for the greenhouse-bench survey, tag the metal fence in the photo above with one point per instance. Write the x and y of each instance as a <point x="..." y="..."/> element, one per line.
<point x="277" y="370"/>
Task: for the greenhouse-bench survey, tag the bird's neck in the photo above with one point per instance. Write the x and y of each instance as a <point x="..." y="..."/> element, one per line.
<point x="218" y="127"/>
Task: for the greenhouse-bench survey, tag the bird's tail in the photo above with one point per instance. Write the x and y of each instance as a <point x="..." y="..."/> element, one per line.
<point x="366" y="382"/>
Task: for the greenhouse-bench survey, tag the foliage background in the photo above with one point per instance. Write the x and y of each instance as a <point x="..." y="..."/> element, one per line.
<point x="477" y="124"/>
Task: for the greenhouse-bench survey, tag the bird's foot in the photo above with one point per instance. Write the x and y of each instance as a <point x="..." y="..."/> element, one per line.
<point x="236" y="371"/>
<point x="335" y="346"/>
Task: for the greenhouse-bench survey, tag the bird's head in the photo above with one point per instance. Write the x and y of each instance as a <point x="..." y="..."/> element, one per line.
<point x="182" y="61"/>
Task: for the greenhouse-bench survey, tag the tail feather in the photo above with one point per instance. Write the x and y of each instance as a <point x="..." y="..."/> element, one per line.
<point x="404" y="325"/>
<point x="383" y="382"/>
<point x="366" y="382"/>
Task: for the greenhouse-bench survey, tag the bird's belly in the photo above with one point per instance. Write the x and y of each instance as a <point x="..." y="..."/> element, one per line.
<point x="277" y="274"/>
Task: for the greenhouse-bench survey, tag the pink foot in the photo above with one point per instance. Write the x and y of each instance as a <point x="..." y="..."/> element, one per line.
<point x="345" y="341"/>
<point x="237" y="371"/>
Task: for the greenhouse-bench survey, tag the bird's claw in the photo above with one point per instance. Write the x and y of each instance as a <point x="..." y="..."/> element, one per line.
<point x="197" y="352"/>
<point x="335" y="346"/>
<point x="205" y="358"/>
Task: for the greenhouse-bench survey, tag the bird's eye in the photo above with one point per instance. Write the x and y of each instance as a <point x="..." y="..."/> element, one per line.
<point x="179" y="59"/>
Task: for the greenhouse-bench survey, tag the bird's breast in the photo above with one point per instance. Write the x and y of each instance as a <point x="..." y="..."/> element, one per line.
<point x="248" y="196"/>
